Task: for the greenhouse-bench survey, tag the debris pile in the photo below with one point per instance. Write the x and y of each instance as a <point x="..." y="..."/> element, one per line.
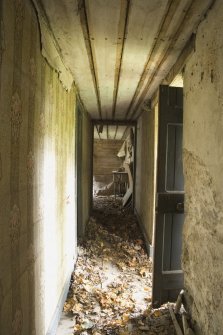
<point x="110" y="291"/>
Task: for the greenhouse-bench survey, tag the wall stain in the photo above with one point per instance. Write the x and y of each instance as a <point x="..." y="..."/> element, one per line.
<point x="203" y="244"/>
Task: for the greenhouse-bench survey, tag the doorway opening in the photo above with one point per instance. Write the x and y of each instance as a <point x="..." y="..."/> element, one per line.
<point x="113" y="164"/>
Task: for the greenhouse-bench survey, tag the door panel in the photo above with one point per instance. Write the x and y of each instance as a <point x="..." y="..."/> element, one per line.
<point x="167" y="273"/>
<point x="174" y="180"/>
<point x="172" y="247"/>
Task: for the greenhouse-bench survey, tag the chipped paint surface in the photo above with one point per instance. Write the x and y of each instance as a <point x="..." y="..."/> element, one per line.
<point x="203" y="165"/>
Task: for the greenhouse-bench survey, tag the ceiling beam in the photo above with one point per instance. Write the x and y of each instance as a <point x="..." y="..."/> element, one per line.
<point x="176" y="69"/>
<point x="122" y="35"/>
<point x="81" y="103"/>
<point x="166" y="20"/>
<point x="115" y="122"/>
<point x="125" y="132"/>
<point x="97" y="131"/>
<point x="178" y="66"/>
<point x="178" y="32"/>
<point x="86" y="32"/>
<point x="107" y="132"/>
<point x="187" y="13"/>
<point x="116" y="132"/>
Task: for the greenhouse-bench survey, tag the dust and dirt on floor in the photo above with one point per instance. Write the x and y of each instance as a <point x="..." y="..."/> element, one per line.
<point x="110" y="291"/>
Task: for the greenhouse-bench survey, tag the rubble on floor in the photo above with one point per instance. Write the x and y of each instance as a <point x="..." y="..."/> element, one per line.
<point x="111" y="287"/>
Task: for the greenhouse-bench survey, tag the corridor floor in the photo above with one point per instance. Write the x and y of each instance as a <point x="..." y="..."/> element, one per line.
<point x="111" y="286"/>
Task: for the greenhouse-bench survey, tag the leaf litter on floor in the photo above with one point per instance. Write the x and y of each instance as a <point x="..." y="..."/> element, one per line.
<point x="110" y="291"/>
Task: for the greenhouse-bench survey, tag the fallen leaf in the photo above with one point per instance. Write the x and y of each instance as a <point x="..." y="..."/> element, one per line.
<point x="157" y="313"/>
<point x="87" y="324"/>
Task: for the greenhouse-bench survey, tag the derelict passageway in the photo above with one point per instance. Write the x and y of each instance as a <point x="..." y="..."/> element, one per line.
<point x="66" y="66"/>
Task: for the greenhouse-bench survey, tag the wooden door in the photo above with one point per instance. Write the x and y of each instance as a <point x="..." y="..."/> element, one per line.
<point x="167" y="273"/>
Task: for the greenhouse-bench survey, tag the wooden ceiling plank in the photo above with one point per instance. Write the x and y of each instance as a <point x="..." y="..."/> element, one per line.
<point x="97" y="87"/>
<point x="143" y="26"/>
<point x="65" y="23"/>
<point x="86" y="33"/>
<point x="188" y="23"/>
<point x="177" y="67"/>
<point x="122" y="33"/>
<point x="116" y="132"/>
<point x="116" y="129"/>
<point x="165" y="23"/>
<point x="103" y="19"/>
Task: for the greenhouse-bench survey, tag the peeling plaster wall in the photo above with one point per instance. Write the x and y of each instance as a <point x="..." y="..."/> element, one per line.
<point x="146" y="153"/>
<point x="37" y="156"/>
<point x="50" y="50"/>
<point x="203" y="168"/>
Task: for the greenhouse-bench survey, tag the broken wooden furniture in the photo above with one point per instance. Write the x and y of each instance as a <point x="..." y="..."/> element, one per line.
<point x="181" y="302"/>
<point x="120" y="182"/>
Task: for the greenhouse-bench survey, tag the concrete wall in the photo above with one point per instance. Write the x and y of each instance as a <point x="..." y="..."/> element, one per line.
<point x="105" y="161"/>
<point x="146" y="153"/>
<point x="37" y="155"/>
<point x="203" y="168"/>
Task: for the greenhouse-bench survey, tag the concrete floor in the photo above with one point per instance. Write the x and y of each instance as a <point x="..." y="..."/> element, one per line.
<point x="66" y="325"/>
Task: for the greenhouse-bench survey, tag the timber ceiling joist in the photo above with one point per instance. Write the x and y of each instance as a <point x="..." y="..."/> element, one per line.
<point x="111" y="132"/>
<point x="119" y="51"/>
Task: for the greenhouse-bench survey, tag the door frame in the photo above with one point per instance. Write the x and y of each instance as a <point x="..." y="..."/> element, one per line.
<point x="127" y="123"/>
<point x="78" y="166"/>
<point x="165" y="281"/>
